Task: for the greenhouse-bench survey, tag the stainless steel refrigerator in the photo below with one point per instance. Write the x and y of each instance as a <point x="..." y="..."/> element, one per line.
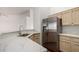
<point x="51" y="28"/>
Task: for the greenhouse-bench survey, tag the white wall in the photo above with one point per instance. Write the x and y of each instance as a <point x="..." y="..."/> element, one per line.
<point x="29" y="21"/>
<point x="10" y="23"/>
<point x="39" y="14"/>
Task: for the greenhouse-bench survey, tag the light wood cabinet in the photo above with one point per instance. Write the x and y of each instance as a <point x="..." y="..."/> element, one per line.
<point x="75" y="47"/>
<point x="75" y="44"/>
<point x="59" y="15"/>
<point x="75" y="40"/>
<point x="75" y="16"/>
<point x="36" y="37"/>
<point x="70" y="17"/>
<point x="65" y="44"/>
<point x="69" y="44"/>
<point x="62" y="46"/>
<point x="67" y="17"/>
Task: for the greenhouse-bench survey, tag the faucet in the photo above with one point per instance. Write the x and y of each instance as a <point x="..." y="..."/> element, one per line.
<point x="20" y="29"/>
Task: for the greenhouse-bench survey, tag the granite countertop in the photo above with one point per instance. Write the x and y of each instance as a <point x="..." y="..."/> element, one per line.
<point x="17" y="34"/>
<point x="70" y="35"/>
<point x="11" y="42"/>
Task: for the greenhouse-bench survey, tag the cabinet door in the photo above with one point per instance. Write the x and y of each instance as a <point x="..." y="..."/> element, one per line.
<point x="65" y="44"/>
<point x="62" y="46"/>
<point x="75" y="47"/>
<point x="75" y="16"/>
<point x="67" y="17"/>
<point x="75" y="44"/>
<point x="52" y="37"/>
<point x="36" y="37"/>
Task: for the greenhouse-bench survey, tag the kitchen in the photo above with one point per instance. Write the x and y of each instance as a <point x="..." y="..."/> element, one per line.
<point x="17" y="32"/>
<point x="39" y="29"/>
<point x="30" y="23"/>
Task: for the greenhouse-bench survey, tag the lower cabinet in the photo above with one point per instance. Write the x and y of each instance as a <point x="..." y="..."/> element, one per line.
<point x="68" y="47"/>
<point x="35" y="37"/>
<point x="62" y="46"/>
<point x="75" y="47"/>
<point x="71" y="45"/>
<point x="65" y="45"/>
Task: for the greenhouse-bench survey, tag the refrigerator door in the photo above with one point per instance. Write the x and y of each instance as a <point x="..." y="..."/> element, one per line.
<point x="52" y="26"/>
<point x="50" y="36"/>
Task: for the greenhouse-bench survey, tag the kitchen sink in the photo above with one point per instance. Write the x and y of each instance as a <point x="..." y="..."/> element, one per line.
<point x="23" y="35"/>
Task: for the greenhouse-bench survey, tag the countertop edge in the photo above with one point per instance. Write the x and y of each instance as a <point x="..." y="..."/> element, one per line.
<point x="69" y="35"/>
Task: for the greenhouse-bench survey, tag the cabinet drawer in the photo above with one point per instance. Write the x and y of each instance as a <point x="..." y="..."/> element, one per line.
<point x="64" y="38"/>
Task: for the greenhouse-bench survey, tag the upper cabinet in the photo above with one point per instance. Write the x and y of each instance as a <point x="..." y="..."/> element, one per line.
<point x="56" y="15"/>
<point x="59" y="15"/>
<point x="75" y="16"/>
<point x="67" y="17"/>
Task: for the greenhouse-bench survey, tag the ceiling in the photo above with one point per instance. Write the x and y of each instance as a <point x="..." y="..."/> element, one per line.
<point x="14" y="10"/>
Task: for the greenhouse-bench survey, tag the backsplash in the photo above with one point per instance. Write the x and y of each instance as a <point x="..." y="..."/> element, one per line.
<point x="71" y="29"/>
